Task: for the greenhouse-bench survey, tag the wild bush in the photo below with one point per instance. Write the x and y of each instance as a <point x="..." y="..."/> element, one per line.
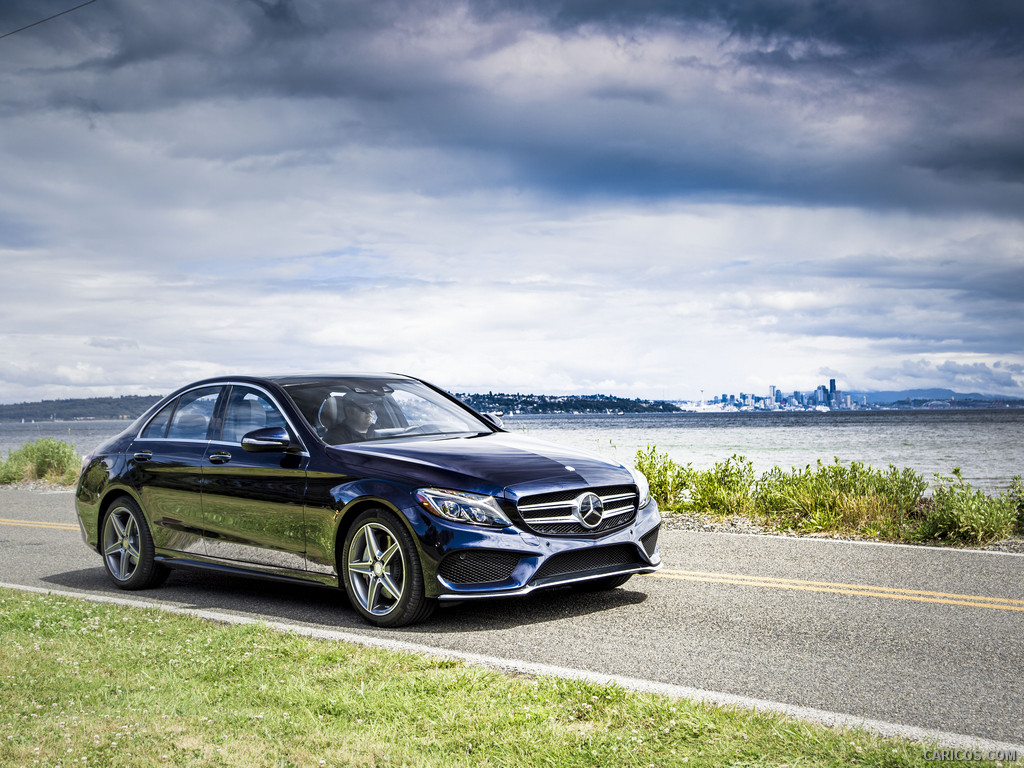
<point x="842" y="498"/>
<point x="957" y="512"/>
<point x="725" y="489"/>
<point x="837" y="497"/>
<point x="667" y="478"/>
<point x="1015" y="493"/>
<point x="44" y="459"/>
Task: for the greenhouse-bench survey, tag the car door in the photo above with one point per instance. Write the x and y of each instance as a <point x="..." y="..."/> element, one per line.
<point x="253" y="501"/>
<point x="165" y="465"/>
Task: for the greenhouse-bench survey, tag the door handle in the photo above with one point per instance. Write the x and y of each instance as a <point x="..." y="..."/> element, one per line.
<point x="143" y="455"/>
<point x="220" y="458"/>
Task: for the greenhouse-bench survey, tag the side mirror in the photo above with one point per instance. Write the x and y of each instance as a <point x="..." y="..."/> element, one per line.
<point x="267" y="440"/>
<point x="494" y="420"/>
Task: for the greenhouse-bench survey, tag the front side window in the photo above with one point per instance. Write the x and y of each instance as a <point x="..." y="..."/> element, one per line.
<point x="347" y="410"/>
<point x="249" y="409"/>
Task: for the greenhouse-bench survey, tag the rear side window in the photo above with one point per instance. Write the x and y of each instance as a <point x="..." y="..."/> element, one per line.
<point x="192" y="417"/>
<point x="187" y="418"/>
<point x="247" y="410"/>
<point x="157" y="426"/>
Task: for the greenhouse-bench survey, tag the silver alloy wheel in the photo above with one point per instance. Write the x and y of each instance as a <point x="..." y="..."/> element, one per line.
<point x="121" y="543"/>
<point x="377" y="569"/>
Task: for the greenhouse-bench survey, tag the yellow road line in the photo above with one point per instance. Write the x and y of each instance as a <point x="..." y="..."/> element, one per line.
<point x="864" y="590"/>
<point x="38" y="524"/>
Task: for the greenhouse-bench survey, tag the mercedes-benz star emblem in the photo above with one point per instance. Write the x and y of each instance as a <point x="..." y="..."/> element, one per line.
<point x="588" y="509"/>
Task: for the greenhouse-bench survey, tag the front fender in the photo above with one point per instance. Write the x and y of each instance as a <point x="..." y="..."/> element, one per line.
<point x="330" y="511"/>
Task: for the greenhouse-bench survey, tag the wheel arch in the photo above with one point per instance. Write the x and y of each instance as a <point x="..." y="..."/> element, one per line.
<point x="92" y="514"/>
<point x="356" y="508"/>
<point x="113" y="494"/>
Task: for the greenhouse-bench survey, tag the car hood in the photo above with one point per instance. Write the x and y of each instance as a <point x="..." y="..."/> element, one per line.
<point x="495" y="464"/>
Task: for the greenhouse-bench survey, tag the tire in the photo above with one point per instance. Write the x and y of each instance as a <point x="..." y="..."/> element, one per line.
<point x="127" y="547"/>
<point x="603" y="584"/>
<point x="381" y="571"/>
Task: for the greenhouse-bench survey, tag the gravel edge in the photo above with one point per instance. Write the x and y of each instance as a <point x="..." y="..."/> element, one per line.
<point x="693" y="521"/>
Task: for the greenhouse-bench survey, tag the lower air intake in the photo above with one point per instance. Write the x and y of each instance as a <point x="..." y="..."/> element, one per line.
<point x="586" y="561"/>
<point x="478" y="567"/>
<point x="650" y="541"/>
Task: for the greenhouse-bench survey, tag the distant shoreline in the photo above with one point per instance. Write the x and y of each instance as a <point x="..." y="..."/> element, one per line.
<point x="1000" y="408"/>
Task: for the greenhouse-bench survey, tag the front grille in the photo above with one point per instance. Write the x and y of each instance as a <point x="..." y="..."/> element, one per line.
<point x="582" y="561"/>
<point x="650" y="541"/>
<point x="552" y="514"/>
<point x="478" y="566"/>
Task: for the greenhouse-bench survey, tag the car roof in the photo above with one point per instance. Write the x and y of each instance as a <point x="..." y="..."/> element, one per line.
<point x="290" y="378"/>
<point x="302" y="378"/>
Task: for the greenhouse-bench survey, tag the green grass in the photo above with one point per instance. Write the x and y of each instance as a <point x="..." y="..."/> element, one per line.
<point x="46" y="459"/>
<point x="854" y="498"/>
<point x="90" y="684"/>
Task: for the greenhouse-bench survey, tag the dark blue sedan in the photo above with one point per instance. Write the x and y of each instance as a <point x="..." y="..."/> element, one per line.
<point x="381" y="484"/>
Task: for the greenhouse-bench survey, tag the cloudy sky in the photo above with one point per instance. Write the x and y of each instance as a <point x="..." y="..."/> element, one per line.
<point x="644" y="198"/>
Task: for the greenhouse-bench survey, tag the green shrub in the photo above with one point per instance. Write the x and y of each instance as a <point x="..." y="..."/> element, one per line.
<point x="725" y="489"/>
<point x="850" y="498"/>
<point x="1015" y="494"/>
<point x="667" y="479"/>
<point x="957" y="512"/>
<point x="834" y="497"/>
<point x="44" y="459"/>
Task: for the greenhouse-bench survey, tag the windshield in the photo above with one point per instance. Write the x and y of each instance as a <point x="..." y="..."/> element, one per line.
<point x="351" y="410"/>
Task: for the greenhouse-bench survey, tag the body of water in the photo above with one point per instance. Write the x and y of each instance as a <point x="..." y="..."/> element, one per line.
<point x="988" y="445"/>
<point x="84" y="435"/>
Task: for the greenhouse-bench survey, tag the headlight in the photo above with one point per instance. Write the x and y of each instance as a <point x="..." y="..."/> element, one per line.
<point x="642" y="486"/>
<point x="463" y="507"/>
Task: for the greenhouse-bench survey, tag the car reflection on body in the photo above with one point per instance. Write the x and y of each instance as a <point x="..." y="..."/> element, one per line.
<point x="382" y="485"/>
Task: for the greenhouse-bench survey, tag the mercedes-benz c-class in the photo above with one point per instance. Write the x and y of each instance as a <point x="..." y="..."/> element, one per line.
<point x="382" y="485"/>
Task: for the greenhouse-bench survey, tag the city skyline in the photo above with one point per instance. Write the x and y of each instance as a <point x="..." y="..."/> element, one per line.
<point x="644" y="199"/>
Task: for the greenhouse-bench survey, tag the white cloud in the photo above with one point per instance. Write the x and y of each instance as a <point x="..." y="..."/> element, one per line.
<point x="493" y="202"/>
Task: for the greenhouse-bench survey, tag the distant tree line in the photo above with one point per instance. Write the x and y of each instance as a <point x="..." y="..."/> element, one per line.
<point x="124" y="407"/>
<point x="133" y="406"/>
<point x="519" y="403"/>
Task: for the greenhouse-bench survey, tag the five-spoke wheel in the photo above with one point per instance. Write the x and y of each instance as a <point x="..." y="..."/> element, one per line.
<point x="382" y="573"/>
<point x="128" y="547"/>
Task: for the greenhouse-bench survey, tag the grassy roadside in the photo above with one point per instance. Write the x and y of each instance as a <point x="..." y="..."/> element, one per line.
<point x="841" y="498"/>
<point x="46" y="459"/>
<point x="88" y="684"/>
<point x="848" y="498"/>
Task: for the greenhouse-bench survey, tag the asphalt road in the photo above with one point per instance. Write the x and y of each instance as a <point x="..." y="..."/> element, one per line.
<point x="928" y="638"/>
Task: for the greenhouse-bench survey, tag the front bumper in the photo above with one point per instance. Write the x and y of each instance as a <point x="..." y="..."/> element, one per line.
<point x="511" y="562"/>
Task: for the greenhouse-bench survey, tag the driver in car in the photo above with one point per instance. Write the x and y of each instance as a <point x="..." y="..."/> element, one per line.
<point x="360" y="416"/>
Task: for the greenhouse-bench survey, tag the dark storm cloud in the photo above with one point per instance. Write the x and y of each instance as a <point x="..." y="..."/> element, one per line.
<point x="868" y="27"/>
<point x="973" y="377"/>
<point x="867" y="104"/>
<point x="999" y="277"/>
<point x="943" y="57"/>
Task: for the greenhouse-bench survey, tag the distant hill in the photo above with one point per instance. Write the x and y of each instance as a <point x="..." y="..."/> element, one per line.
<point x="124" y="407"/>
<point x="133" y="406"/>
<point x="518" y="403"/>
<point x="896" y="396"/>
